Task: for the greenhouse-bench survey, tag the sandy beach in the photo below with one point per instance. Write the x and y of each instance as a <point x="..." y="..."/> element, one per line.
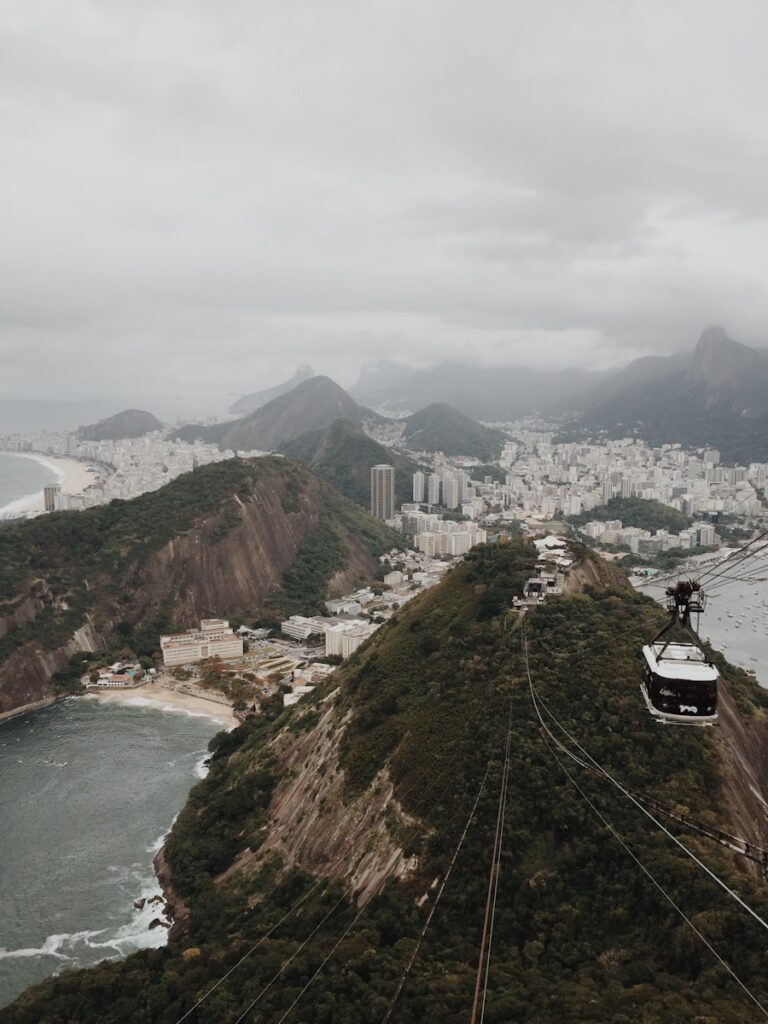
<point x="164" y="699"/>
<point x="74" y="477"/>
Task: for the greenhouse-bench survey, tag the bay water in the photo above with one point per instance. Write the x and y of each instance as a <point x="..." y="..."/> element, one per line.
<point x="20" y="477"/>
<point x="88" y="788"/>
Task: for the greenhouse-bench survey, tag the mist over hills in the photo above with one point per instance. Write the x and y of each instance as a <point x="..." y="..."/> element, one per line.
<point x="489" y="393"/>
<point x="716" y="395"/>
<point x="312" y="405"/>
<point x="249" y="403"/>
<point x="122" y="426"/>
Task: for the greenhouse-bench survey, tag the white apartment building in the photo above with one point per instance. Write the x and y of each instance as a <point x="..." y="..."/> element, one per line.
<point x="299" y="627"/>
<point x="214" y="639"/>
<point x="383" y="491"/>
<point x="343" y="638"/>
<point x="433" y="489"/>
<point x="419" y="485"/>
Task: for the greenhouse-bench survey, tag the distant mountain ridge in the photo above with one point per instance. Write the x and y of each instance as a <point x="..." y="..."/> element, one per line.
<point x="715" y="396"/>
<point x="250" y="403"/>
<point x="495" y="393"/>
<point x="441" y="427"/>
<point x="312" y="405"/>
<point x="123" y="425"/>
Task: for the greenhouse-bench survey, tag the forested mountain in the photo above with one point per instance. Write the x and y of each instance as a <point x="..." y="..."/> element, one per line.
<point x="491" y="393"/>
<point x="250" y="403"/>
<point x="311" y="405"/>
<point x="308" y="867"/>
<point x="441" y="428"/>
<point x="123" y="425"/>
<point x="343" y="455"/>
<point x="235" y="538"/>
<point x="717" y="397"/>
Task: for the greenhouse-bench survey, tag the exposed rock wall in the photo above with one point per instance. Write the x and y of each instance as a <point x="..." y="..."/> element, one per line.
<point x="742" y="744"/>
<point x="227" y="565"/>
<point x="25" y="676"/>
<point x="312" y="827"/>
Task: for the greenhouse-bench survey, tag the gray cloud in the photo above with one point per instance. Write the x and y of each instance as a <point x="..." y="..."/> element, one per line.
<point x="197" y="197"/>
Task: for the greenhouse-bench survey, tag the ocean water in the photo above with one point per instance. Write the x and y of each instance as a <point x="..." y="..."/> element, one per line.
<point x="20" y="477"/>
<point x="88" y="789"/>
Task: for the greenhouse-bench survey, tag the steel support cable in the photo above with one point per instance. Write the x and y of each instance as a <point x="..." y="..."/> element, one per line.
<point x="263" y="938"/>
<point x="496" y="881"/>
<point x="358" y="915"/>
<point x="481" y="979"/>
<point x="646" y="871"/>
<point x="630" y="796"/>
<point x="736" y="843"/>
<point x="415" y="952"/>
<point x="736" y="557"/>
<point x="288" y="960"/>
<point x="733" y="559"/>
<point x="338" y="942"/>
<point x="252" y="950"/>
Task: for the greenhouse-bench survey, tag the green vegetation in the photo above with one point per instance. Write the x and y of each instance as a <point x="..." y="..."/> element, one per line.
<point x="640" y="512"/>
<point x="343" y="455"/>
<point x="97" y="564"/>
<point x="442" y="428"/>
<point x="581" y="934"/>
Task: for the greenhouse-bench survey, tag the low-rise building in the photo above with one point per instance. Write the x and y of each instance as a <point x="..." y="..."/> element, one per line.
<point x="214" y="639"/>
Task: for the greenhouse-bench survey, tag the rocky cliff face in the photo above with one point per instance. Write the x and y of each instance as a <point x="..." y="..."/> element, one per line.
<point x="230" y="559"/>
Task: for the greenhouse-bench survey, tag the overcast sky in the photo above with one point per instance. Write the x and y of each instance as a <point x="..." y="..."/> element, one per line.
<point x="198" y="196"/>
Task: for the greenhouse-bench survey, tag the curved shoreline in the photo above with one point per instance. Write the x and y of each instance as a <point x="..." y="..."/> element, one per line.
<point x="71" y="474"/>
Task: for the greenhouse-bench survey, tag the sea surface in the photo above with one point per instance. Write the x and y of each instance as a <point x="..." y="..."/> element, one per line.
<point x="20" y="477"/>
<point x="88" y="788"/>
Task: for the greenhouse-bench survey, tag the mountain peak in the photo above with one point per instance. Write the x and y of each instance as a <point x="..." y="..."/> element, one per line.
<point x="720" y="362"/>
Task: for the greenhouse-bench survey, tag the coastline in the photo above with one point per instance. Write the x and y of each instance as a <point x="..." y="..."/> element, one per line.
<point x="73" y="476"/>
<point x="163" y="698"/>
<point x="23" y="709"/>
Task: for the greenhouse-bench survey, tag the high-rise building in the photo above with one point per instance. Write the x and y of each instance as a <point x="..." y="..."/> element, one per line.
<point x="383" y="491"/>
<point x="52" y="497"/>
<point x="451" y="492"/>
<point x="433" y="489"/>
<point x="419" y="481"/>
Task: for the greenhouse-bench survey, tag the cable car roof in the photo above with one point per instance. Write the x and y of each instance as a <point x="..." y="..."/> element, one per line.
<point x="680" y="661"/>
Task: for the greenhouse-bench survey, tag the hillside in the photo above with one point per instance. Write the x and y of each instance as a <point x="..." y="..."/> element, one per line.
<point x="716" y="396"/>
<point x="310" y="406"/>
<point x="441" y="428"/>
<point x="250" y="403"/>
<point x="123" y="425"/>
<point x="641" y="512"/>
<point x="236" y="538"/>
<point x="343" y="455"/>
<point x="307" y="865"/>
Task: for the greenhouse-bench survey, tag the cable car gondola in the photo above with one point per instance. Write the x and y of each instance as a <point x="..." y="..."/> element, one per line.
<point x="679" y="681"/>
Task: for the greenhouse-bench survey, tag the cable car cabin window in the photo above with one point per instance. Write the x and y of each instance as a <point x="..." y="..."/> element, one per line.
<point x="682" y="696"/>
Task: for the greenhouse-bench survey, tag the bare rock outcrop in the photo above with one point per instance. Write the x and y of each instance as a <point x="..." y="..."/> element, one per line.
<point x="313" y="827"/>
